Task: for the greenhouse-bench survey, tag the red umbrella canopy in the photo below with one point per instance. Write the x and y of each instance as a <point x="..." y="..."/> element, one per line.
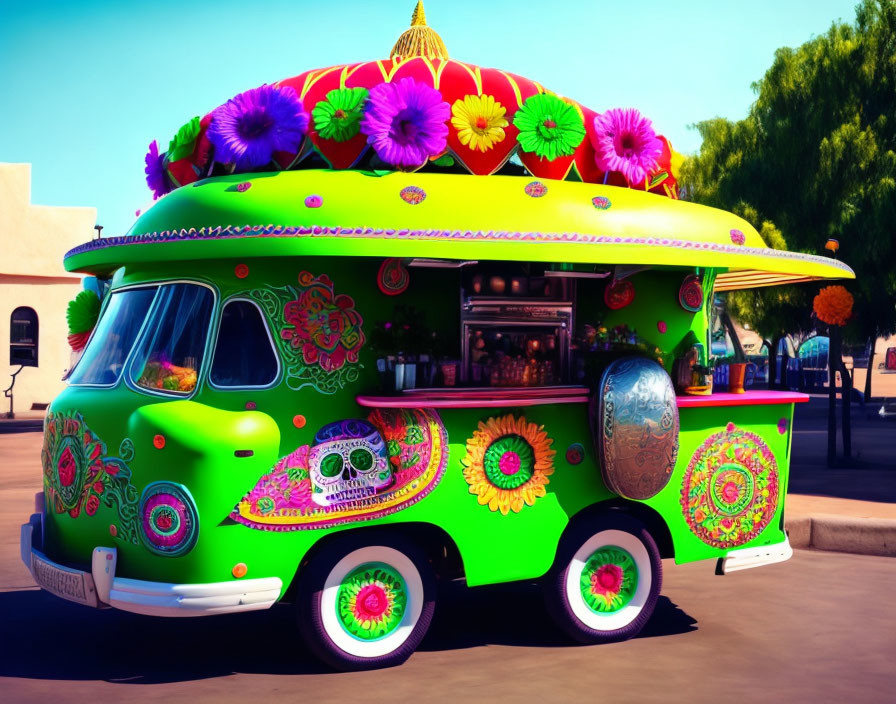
<point x="417" y="109"/>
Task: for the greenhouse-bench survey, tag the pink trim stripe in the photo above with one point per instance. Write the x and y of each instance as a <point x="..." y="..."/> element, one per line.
<point x="749" y="398"/>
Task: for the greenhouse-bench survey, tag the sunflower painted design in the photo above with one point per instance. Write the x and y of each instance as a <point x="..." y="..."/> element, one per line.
<point x="479" y="121"/>
<point x="338" y="117"/>
<point x="508" y="463"/>
<point x="549" y="126"/>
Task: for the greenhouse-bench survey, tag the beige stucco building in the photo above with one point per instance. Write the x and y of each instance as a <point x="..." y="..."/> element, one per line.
<point x="34" y="284"/>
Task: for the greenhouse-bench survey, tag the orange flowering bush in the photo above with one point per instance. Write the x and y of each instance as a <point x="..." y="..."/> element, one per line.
<point x="833" y="305"/>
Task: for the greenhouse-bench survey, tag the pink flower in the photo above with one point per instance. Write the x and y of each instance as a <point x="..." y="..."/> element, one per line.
<point x="624" y="141"/>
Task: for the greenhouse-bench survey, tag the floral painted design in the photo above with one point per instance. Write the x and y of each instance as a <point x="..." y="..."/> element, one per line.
<point x="508" y="463"/>
<point x="624" y="141"/>
<point x="601" y="202"/>
<point x="737" y="237"/>
<point x="405" y="122"/>
<point x="412" y="195"/>
<point x="549" y="126"/>
<point x="479" y="121"/>
<point x="320" y="334"/>
<point x="730" y="489"/>
<point x="79" y="475"/>
<point x="372" y="601"/>
<point x="416" y="446"/>
<point x="690" y="294"/>
<point x="536" y="189"/>
<point x="338" y="117"/>
<point x="250" y="127"/>
<point x="609" y="579"/>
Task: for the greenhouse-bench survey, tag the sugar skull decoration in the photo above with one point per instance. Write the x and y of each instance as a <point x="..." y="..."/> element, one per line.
<point x="348" y="462"/>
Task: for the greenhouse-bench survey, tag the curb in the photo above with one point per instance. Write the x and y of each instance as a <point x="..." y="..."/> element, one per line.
<point x="860" y="536"/>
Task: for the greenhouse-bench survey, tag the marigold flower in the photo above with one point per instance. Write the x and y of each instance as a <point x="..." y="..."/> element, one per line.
<point x="833" y="305"/>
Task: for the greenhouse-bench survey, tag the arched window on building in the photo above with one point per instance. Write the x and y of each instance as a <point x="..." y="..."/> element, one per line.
<point x="23" y="337"/>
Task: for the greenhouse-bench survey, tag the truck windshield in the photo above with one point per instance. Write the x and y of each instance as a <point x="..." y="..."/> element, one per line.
<point x="169" y="355"/>
<point x="115" y="333"/>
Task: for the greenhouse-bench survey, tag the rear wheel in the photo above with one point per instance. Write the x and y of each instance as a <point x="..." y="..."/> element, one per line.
<point x="606" y="581"/>
<point x="366" y="603"/>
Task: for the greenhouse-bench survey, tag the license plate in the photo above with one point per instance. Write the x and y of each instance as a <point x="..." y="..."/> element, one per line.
<point x="73" y="585"/>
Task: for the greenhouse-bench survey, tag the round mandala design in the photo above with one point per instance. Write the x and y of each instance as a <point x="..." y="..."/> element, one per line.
<point x="536" y="189"/>
<point x="730" y="489"/>
<point x="168" y="518"/>
<point x="690" y="295"/>
<point x="509" y="462"/>
<point x="413" y="195"/>
<point x="371" y="601"/>
<point x="609" y="579"/>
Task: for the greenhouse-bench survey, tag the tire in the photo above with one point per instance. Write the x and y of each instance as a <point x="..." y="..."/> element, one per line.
<point x="619" y="601"/>
<point x="386" y="567"/>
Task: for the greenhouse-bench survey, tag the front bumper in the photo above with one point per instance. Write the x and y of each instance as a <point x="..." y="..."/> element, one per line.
<point x="100" y="588"/>
<point x="745" y="558"/>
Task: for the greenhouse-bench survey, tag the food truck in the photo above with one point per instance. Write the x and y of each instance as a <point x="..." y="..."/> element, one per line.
<point x="401" y="321"/>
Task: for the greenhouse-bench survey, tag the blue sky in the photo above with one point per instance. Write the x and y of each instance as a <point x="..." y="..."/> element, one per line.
<point x="87" y="85"/>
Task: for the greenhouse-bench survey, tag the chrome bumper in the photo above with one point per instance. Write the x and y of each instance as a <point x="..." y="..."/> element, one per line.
<point x="100" y="588"/>
<point x="745" y="558"/>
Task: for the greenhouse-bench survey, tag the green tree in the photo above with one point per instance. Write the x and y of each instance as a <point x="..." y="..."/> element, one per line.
<point x="814" y="159"/>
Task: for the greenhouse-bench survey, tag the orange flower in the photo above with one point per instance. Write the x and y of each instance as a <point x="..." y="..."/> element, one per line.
<point x="833" y="305"/>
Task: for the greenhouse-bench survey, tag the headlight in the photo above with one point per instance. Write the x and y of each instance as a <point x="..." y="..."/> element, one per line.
<point x="168" y="518"/>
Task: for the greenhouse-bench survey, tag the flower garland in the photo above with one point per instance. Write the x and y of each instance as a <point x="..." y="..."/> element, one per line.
<point x="833" y="305"/>
<point x="405" y="123"/>
<point x="479" y="121"/>
<point x="625" y="142"/>
<point x="338" y="117"/>
<point x="250" y="127"/>
<point x="549" y="126"/>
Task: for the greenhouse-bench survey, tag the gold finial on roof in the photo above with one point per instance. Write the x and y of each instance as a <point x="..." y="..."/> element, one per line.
<point x="420" y="39"/>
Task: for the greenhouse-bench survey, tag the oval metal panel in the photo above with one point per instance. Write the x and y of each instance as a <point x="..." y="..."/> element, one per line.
<point x="636" y="427"/>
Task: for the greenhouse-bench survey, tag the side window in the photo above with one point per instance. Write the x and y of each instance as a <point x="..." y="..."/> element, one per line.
<point x="23" y="337"/>
<point x="244" y="352"/>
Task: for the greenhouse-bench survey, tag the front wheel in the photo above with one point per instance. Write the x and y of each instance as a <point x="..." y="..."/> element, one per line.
<point x="365" y="604"/>
<point x="606" y="581"/>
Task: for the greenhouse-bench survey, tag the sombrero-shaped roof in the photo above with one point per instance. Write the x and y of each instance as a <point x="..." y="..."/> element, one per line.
<point x="418" y="109"/>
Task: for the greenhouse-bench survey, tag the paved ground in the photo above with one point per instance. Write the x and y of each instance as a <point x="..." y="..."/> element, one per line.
<point x="819" y="628"/>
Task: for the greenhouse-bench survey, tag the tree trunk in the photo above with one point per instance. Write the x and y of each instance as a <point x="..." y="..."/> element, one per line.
<point x="773" y="365"/>
<point x="832" y="399"/>
<point x="868" y="369"/>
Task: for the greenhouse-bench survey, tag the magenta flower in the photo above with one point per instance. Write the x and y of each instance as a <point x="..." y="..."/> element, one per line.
<point x="249" y="128"/>
<point x="624" y="141"/>
<point x="156" y="176"/>
<point x="406" y="122"/>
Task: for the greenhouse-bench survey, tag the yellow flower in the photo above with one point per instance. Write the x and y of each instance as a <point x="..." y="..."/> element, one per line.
<point x="479" y="121"/>
<point x="508" y="462"/>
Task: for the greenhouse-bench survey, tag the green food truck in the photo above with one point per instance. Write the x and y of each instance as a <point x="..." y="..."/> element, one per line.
<point x="401" y="321"/>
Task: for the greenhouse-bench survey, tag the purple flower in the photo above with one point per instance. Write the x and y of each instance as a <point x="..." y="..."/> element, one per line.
<point x="249" y="128"/>
<point x="156" y="176"/>
<point x="406" y="122"/>
<point x="625" y="142"/>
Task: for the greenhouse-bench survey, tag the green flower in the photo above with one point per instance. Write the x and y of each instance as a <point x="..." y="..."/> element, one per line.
<point x="184" y="141"/>
<point x="338" y="116"/>
<point x="549" y="126"/>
